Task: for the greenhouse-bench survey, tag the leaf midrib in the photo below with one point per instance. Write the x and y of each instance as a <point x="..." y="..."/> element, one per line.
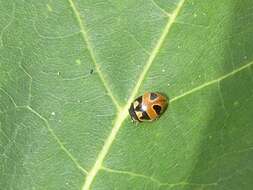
<point x="123" y="113"/>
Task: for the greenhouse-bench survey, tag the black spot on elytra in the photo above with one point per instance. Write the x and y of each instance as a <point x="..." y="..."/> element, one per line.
<point x="153" y="96"/>
<point x="145" y="116"/>
<point x="157" y="109"/>
<point x="139" y="99"/>
<point x="132" y="113"/>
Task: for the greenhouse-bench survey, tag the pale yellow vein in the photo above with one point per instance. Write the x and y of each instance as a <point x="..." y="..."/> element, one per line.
<point x="160" y="8"/>
<point x="155" y="51"/>
<point x="9" y="23"/>
<point x="57" y="139"/>
<point x="86" y="39"/>
<point x="132" y="174"/>
<point x="122" y="115"/>
<point x="159" y="183"/>
<point x="9" y="96"/>
<point x="30" y="84"/>
<point x="212" y="82"/>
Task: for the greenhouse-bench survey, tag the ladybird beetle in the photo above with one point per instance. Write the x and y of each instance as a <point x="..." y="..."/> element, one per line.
<point x="148" y="107"/>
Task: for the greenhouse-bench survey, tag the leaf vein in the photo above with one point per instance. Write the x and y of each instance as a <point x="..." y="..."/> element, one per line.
<point x="8" y="24"/>
<point x="132" y="174"/>
<point x="235" y="71"/>
<point x="59" y="142"/>
<point x="222" y="98"/>
<point x="159" y="183"/>
<point x="9" y="96"/>
<point x="91" y="51"/>
<point x="160" y="8"/>
<point x="156" y="50"/>
<point x="123" y="113"/>
<point x="29" y="84"/>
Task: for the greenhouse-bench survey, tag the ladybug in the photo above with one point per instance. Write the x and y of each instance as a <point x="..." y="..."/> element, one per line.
<point x="148" y="107"/>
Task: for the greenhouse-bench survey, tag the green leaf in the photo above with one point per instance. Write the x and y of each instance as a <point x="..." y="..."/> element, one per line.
<point x="69" y="69"/>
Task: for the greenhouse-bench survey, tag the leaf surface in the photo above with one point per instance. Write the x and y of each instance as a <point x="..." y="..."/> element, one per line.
<point x="70" y="69"/>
